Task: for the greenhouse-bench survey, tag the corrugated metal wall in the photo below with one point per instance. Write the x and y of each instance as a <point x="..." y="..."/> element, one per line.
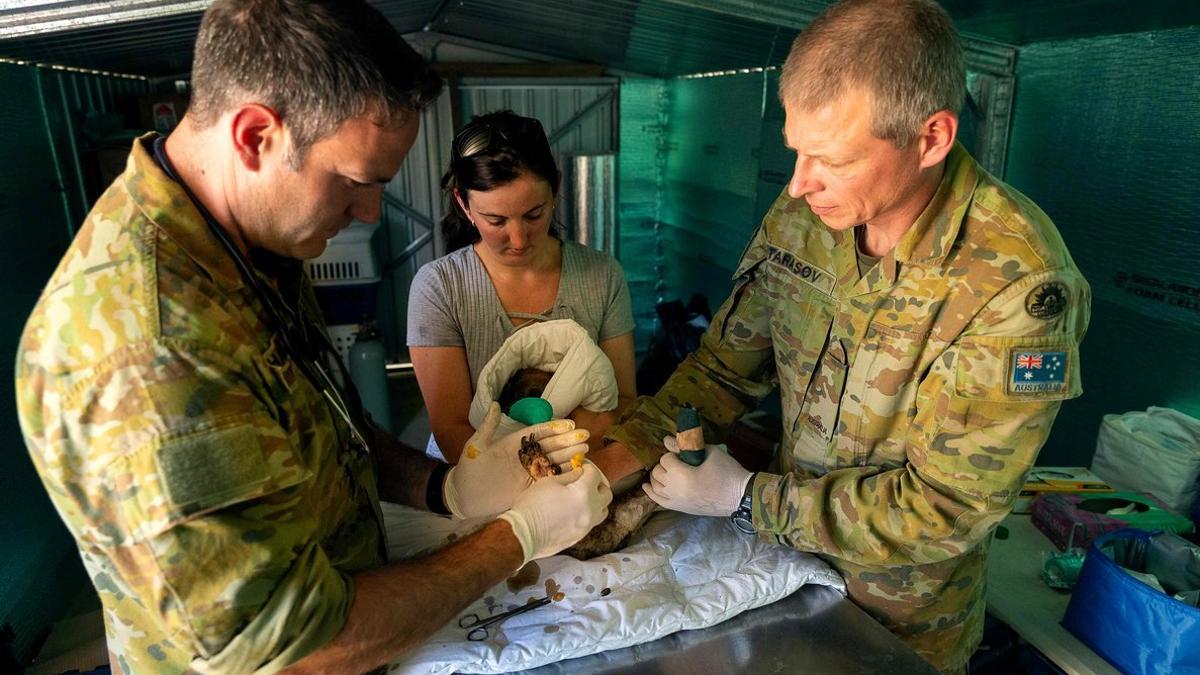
<point x="411" y="235"/>
<point x="1105" y="138"/>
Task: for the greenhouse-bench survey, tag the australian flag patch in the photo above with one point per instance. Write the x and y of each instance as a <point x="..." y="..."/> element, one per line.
<point x="1038" y="372"/>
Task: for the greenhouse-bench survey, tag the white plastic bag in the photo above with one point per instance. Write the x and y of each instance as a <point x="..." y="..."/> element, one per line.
<point x="1156" y="451"/>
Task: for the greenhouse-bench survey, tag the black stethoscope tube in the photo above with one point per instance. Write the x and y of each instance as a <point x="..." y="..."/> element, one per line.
<point x="311" y="368"/>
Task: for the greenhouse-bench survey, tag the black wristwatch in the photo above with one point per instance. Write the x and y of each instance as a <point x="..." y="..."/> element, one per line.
<point x="743" y="517"/>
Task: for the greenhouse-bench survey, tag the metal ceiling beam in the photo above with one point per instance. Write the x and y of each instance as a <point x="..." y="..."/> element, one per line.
<point x="795" y="15"/>
<point x="22" y="18"/>
<point x="436" y="16"/>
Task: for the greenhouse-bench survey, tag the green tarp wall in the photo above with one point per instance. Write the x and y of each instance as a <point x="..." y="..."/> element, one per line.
<point x="1106" y="139"/>
<point x="701" y="160"/>
<point x="45" y="190"/>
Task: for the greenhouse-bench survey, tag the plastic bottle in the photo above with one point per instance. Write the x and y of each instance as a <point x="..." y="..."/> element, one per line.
<point x="368" y="370"/>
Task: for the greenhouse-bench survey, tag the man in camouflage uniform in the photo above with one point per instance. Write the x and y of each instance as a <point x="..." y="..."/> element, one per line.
<point x="220" y="482"/>
<point x="920" y="317"/>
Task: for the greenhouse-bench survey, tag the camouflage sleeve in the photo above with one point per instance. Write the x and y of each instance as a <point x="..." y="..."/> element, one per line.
<point x="210" y="526"/>
<point x="733" y="369"/>
<point x="975" y="435"/>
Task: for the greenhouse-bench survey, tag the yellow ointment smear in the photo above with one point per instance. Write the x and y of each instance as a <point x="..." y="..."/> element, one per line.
<point x="472" y="452"/>
<point x="577" y="460"/>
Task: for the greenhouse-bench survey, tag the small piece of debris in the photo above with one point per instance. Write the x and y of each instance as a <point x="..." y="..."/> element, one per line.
<point x="605" y="592"/>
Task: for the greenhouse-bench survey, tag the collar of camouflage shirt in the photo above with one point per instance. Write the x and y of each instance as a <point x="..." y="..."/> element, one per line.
<point x="165" y="203"/>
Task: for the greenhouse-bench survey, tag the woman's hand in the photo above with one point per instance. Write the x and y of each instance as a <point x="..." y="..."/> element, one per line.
<point x="489" y="477"/>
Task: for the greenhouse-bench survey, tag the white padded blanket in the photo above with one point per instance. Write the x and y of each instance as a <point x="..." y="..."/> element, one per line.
<point x="680" y="573"/>
<point x="583" y="375"/>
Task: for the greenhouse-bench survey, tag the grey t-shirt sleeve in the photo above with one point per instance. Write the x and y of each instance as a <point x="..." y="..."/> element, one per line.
<point x="618" y="311"/>
<point x="431" y="319"/>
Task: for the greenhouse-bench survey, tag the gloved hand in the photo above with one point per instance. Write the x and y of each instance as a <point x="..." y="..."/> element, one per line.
<point x="489" y="475"/>
<point x="558" y="511"/>
<point x="712" y="489"/>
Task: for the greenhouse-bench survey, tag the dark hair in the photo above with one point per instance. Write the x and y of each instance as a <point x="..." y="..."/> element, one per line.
<point x="488" y="153"/>
<point x="906" y="53"/>
<point x="317" y="63"/>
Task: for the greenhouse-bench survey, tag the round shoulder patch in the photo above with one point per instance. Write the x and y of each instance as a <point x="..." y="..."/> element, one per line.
<point x="1046" y="301"/>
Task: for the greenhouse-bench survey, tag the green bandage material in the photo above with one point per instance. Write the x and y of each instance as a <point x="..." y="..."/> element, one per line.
<point x="689" y="436"/>
<point x="531" y="410"/>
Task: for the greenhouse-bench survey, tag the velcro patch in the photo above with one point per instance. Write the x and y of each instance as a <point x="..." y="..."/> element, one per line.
<point x="208" y="470"/>
<point x="1037" y="372"/>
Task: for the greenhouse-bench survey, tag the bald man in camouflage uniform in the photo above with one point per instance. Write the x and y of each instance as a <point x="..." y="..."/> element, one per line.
<point x="921" y="357"/>
<point x="187" y="417"/>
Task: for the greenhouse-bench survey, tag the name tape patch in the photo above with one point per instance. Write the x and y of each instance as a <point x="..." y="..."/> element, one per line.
<point x="809" y="274"/>
<point x="1036" y="372"/>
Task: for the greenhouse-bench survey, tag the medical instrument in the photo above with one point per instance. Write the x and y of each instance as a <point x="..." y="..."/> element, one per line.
<point x="478" y="628"/>
<point x="282" y="319"/>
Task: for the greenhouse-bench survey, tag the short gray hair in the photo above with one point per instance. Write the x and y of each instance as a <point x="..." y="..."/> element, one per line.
<point x="317" y="63"/>
<point x="905" y="53"/>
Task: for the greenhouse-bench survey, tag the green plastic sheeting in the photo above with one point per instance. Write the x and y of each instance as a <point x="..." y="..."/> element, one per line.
<point x="1105" y="138"/>
<point x="40" y="570"/>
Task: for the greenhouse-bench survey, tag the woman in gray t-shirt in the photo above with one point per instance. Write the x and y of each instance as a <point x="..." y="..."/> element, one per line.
<point x="506" y="268"/>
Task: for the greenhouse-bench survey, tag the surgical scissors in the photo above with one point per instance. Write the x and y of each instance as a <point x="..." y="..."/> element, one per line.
<point x="478" y="628"/>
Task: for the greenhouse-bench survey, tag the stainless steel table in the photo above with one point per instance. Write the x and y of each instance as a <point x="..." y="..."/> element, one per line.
<point x="813" y="630"/>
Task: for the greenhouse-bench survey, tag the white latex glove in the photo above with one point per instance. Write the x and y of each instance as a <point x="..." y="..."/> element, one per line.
<point x="489" y="475"/>
<point x="558" y="511"/>
<point x="712" y="489"/>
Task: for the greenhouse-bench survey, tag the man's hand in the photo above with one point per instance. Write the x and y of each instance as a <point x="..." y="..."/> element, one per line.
<point x="712" y="489"/>
<point x="489" y="475"/>
<point x="558" y="511"/>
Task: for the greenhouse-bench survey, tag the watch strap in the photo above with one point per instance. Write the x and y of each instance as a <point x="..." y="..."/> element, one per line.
<point x="435" y="490"/>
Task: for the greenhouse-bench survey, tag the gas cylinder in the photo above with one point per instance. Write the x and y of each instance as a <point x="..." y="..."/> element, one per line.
<point x="368" y="370"/>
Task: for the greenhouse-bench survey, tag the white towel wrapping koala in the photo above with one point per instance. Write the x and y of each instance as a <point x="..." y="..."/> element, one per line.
<point x="583" y="375"/>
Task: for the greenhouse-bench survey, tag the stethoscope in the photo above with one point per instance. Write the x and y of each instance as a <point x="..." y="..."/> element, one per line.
<point x="280" y="316"/>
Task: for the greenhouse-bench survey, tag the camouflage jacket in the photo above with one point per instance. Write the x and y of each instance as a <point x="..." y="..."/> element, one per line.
<point x="915" y="398"/>
<point x="199" y="471"/>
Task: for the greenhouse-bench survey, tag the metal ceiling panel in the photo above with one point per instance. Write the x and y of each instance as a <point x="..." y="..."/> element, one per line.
<point x="654" y="37"/>
<point x="1021" y="22"/>
<point x="21" y="18"/>
<point x="160" y="46"/>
